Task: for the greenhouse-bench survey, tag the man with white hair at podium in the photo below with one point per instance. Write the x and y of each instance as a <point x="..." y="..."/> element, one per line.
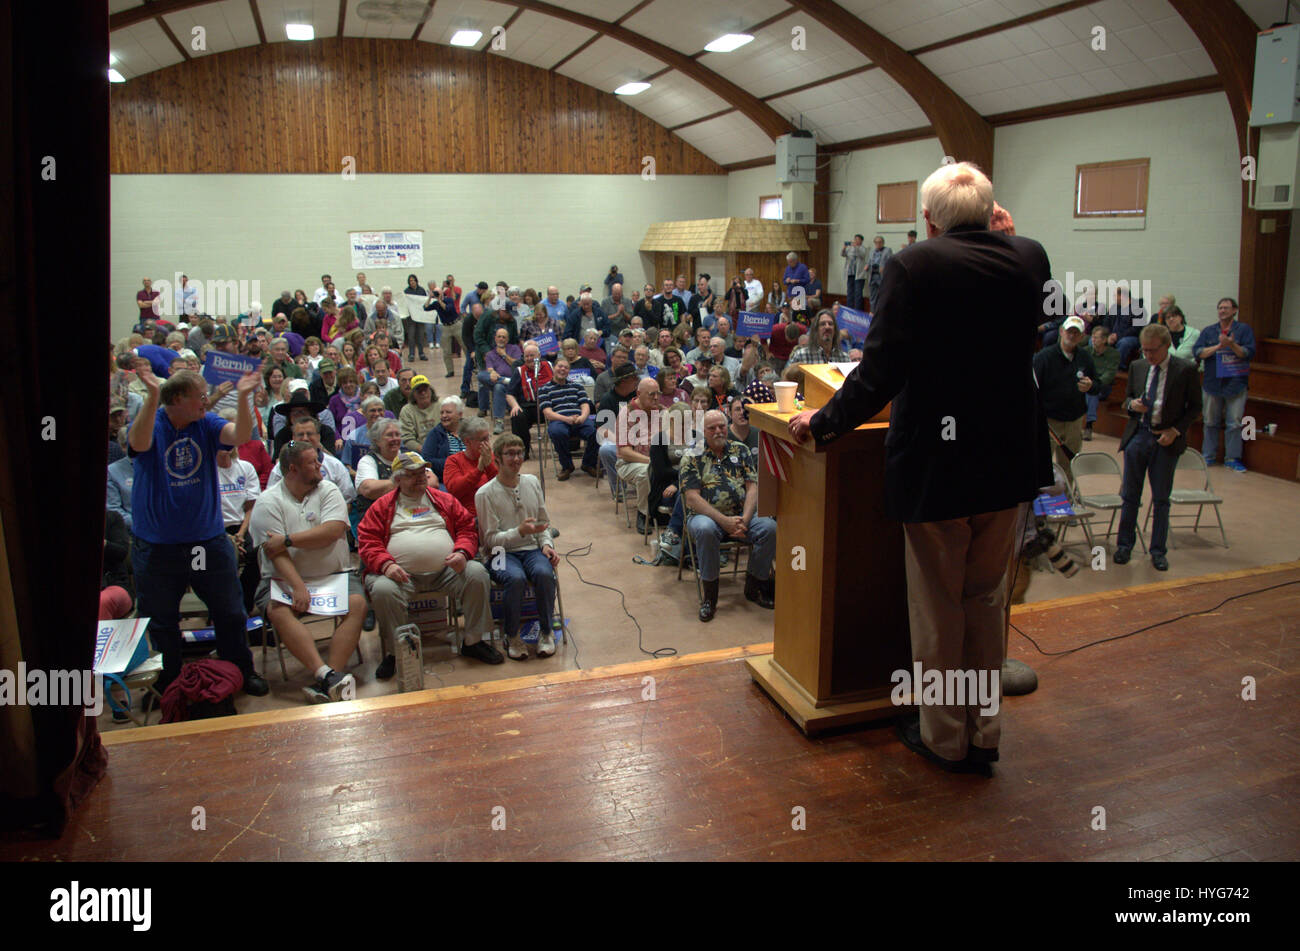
<point x="955" y="474"/>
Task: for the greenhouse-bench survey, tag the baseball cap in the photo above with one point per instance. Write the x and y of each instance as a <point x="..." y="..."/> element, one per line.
<point x="1074" y="323"/>
<point x="420" y="380"/>
<point x="223" y="333"/>
<point x="407" y="462"/>
<point x="296" y="385"/>
<point x="326" y="365"/>
<point x="623" y="372"/>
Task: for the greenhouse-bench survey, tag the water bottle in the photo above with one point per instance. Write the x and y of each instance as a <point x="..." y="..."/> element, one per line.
<point x="410" y="658"/>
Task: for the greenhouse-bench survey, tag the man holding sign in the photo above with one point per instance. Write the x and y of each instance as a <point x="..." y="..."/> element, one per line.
<point x="301" y="526"/>
<point x="1226" y="349"/>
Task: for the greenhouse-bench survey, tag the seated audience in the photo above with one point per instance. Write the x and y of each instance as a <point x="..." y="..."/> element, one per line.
<point x="514" y="531"/>
<point x="465" y="472"/>
<point x="444" y="439"/>
<point x="720" y="389"/>
<point x="521" y="395"/>
<point x="419" y="416"/>
<point x="605" y="380"/>
<point x="821" y="347"/>
<point x="400" y="396"/>
<point x="568" y="413"/>
<point x="738" y="429"/>
<point x="240" y="488"/>
<point x="300" y="525"/>
<point x="638" y="426"/>
<point x="116" y="598"/>
<point x="591" y="351"/>
<point x="308" y="429"/>
<point x="499" y="368"/>
<point x="348" y="395"/>
<point x="1106" y="361"/>
<point x="720" y="485"/>
<point x="1182" y="337"/>
<point x="323" y="388"/>
<point x="417" y="539"/>
<point x="569" y="350"/>
<point x="375" y="467"/>
<point x="300" y="406"/>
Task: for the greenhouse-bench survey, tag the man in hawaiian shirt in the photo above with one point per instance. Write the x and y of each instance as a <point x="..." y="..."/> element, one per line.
<point x="720" y="488"/>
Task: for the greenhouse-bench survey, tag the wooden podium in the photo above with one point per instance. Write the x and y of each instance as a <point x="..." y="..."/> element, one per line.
<point x="841" y="625"/>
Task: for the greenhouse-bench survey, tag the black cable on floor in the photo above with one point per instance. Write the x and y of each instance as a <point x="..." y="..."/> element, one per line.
<point x="582" y="553"/>
<point x="1120" y="637"/>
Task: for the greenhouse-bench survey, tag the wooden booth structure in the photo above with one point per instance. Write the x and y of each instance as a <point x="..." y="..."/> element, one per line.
<point x="723" y="248"/>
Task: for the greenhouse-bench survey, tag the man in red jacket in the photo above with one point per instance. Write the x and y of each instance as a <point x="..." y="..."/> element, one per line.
<point x="420" y="539"/>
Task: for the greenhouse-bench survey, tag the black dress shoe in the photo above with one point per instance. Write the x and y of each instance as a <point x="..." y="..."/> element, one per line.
<point x="640" y="525"/>
<point x="387" y="667"/>
<point x="909" y="731"/>
<point x="1122" y="556"/>
<point x="1160" y="562"/>
<point x="756" y="591"/>
<point x="255" y="685"/>
<point x="709" y="606"/>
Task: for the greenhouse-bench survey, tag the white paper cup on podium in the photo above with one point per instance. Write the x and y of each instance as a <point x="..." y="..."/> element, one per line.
<point x="785" y="393"/>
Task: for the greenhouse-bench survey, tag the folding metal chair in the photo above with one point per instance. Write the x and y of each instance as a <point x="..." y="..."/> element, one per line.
<point x="267" y="629"/>
<point x="1191" y="461"/>
<point x="499" y="635"/>
<point x="736" y="546"/>
<point x="1098" y="464"/>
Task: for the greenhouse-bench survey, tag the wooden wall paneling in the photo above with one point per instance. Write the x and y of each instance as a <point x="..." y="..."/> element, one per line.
<point x="395" y="107"/>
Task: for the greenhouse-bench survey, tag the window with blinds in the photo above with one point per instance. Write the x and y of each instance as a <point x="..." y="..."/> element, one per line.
<point x="896" y="203"/>
<point x="1111" y="189"/>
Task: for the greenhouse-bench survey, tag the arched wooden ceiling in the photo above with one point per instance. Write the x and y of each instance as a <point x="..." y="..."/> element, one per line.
<point x="982" y="62"/>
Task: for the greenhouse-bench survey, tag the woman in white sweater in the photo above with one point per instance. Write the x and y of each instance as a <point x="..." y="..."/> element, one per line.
<point x="514" y="532"/>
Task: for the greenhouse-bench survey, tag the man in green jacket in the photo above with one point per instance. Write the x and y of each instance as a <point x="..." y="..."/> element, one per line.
<point x="485" y="331"/>
<point x="1106" y="359"/>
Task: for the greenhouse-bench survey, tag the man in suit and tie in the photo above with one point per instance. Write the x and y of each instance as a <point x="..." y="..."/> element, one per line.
<point x="956" y="474"/>
<point x="1164" y="399"/>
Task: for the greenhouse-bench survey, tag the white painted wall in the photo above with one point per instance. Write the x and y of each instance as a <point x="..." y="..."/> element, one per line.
<point x="286" y="230"/>
<point x="745" y="187"/>
<point x="1190" y="244"/>
<point x="1192" y="240"/>
<point x="854" y="179"/>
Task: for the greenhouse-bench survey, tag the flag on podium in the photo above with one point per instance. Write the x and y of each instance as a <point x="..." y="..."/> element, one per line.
<point x="777" y="454"/>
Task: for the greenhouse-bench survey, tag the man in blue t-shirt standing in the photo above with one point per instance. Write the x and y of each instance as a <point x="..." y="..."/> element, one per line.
<point x="179" y="537"/>
<point x="1225" y="350"/>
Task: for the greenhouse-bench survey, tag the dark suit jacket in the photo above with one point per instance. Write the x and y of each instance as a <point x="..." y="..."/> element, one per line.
<point x="1182" y="403"/>
<point x="921" y="353"/>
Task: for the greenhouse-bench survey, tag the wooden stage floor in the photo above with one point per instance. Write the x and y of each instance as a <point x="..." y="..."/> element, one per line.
<point x="1152" y="728"/>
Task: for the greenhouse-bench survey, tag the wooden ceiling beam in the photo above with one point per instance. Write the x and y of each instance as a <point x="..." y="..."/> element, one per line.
<point x="753" y="108"/>
<point x="963" y="132"/>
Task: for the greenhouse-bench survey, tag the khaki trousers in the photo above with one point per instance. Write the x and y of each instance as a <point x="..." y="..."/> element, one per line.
<point x="956" y="599"/>
<point x="450" y="332"/>
<point x="638" y="473"/>
<point x="1070" y="432"/>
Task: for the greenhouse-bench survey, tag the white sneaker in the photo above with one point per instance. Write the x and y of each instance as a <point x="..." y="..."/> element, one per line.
<point x="546" y="644"/>
<point x="516" y="649"/>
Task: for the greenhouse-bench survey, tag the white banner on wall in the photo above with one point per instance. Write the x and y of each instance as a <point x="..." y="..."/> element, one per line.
<point x="380" y="249"/>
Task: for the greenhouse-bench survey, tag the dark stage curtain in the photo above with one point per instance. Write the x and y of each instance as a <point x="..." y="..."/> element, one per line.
<point x="54" y="337"/>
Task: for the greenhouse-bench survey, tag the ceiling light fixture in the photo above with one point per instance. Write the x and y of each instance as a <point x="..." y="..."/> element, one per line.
<point x="115" y="77"/>
<point x="631" y="89"/>
<point x="466" y="37"/>
<point x="300" y="31"/>
<point x="732" y="41"/>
